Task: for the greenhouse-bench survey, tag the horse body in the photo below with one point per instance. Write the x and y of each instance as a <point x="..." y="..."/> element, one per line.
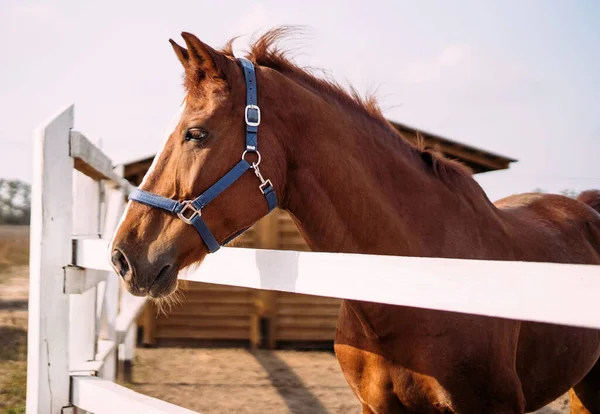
<point x="353" y="185"/>
<point x="400" y="359"/>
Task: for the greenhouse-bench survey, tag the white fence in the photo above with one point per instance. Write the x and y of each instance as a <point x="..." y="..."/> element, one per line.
<point x="77" y="322"/>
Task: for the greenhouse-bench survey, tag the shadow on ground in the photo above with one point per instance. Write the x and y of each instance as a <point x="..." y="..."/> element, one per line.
<point x="298" y="398"/>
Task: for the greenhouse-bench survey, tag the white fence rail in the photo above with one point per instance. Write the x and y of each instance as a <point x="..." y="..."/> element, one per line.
<point x="541" y="292"/>
<point x="92" y="394"/>
<point x="76" y="324"/>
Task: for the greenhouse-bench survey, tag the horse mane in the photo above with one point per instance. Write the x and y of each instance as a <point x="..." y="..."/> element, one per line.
<point x="448" y="170"/>
<point x="267" y="51"/>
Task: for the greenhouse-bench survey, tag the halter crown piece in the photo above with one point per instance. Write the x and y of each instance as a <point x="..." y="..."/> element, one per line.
<point x="190" y="211"/>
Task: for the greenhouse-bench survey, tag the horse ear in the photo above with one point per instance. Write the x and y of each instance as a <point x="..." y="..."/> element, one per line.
<point x="203" y="59"/>
<point x="181" y="52"/>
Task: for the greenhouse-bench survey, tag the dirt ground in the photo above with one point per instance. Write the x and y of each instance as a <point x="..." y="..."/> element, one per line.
<point x="209" y="380"/>
<point x="237" y="380"/>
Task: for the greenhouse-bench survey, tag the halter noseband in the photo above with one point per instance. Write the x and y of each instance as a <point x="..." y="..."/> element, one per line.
<point x="190" y="211"/>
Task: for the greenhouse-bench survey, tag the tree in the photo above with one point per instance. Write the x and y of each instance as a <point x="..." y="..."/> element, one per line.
<point x="15" y="202"/>
<point x="569" y="193"/>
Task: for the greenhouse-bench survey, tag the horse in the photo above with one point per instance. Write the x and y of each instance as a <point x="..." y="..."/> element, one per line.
<point x="353" y="184"/>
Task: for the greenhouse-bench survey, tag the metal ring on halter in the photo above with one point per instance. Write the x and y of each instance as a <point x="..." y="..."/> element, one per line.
<point x="254" y="164"/>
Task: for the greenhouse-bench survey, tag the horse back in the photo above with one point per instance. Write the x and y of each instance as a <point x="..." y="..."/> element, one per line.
<point x="552" y="228"/>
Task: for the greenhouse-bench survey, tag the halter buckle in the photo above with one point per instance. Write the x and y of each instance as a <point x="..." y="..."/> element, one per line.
<point x="252" y="120"/>
<point x="265" y="184"/>
<point x="187" y="205"/>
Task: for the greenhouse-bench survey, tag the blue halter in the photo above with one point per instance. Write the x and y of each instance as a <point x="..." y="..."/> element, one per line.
<point x="190" y="211"/>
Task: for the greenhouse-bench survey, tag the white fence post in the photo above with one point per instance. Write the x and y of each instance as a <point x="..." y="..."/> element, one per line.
<point x="51" y="250"/>
<point x="82" y="314"/>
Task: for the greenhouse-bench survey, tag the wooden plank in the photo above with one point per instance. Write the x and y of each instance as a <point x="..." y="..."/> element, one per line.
<point x="290" y="235"/>
<point x="314" y="322"/>
<point x="212" y="288"/>
<point x="101" y="396"/>
<point x="91" y="161"/>
<point x="91" y="254"/>
<point x="51" y="214"/>
<point x="513" y="290"/>
<point x="283" y="216"/>
<point x="221" y="299"/>
<point x="212" y="309"/>
<point x="246" y="295"/>
<point x="317" y="309"/>
<point x="295" y="334"/>
<point x="290" y="299"/>
<point x="175" y="332"/>
<point x="191" y="321"/>
<point x="78" y="280"/>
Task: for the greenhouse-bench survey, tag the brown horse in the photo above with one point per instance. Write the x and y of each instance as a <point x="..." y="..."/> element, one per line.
<point x="354" y="185"/>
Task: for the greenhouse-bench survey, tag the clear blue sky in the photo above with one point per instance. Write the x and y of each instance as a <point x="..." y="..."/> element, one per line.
<point x="512" y="77"/>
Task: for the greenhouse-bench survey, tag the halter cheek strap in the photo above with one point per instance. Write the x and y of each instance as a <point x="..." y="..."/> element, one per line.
<point x="190" y="211"/>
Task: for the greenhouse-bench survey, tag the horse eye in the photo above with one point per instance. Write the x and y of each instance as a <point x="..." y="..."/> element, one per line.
<point x="195" y="134"/>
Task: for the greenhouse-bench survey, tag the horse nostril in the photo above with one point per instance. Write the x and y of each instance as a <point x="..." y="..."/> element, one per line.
<point x="120" y="262"/>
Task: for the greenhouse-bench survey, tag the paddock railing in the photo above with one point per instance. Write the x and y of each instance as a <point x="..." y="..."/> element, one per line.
<point x="80" y="317"/>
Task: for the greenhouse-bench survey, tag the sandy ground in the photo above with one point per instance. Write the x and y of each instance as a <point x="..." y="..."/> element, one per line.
<point x="209" y="380"/>
<point x="237" y="380"/>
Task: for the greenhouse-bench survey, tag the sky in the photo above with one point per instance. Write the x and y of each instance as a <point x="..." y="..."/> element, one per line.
<point x="515" y="78"/>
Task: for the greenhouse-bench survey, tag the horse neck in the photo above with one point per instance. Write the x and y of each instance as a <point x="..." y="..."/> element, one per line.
<point x="353" y="185"/>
